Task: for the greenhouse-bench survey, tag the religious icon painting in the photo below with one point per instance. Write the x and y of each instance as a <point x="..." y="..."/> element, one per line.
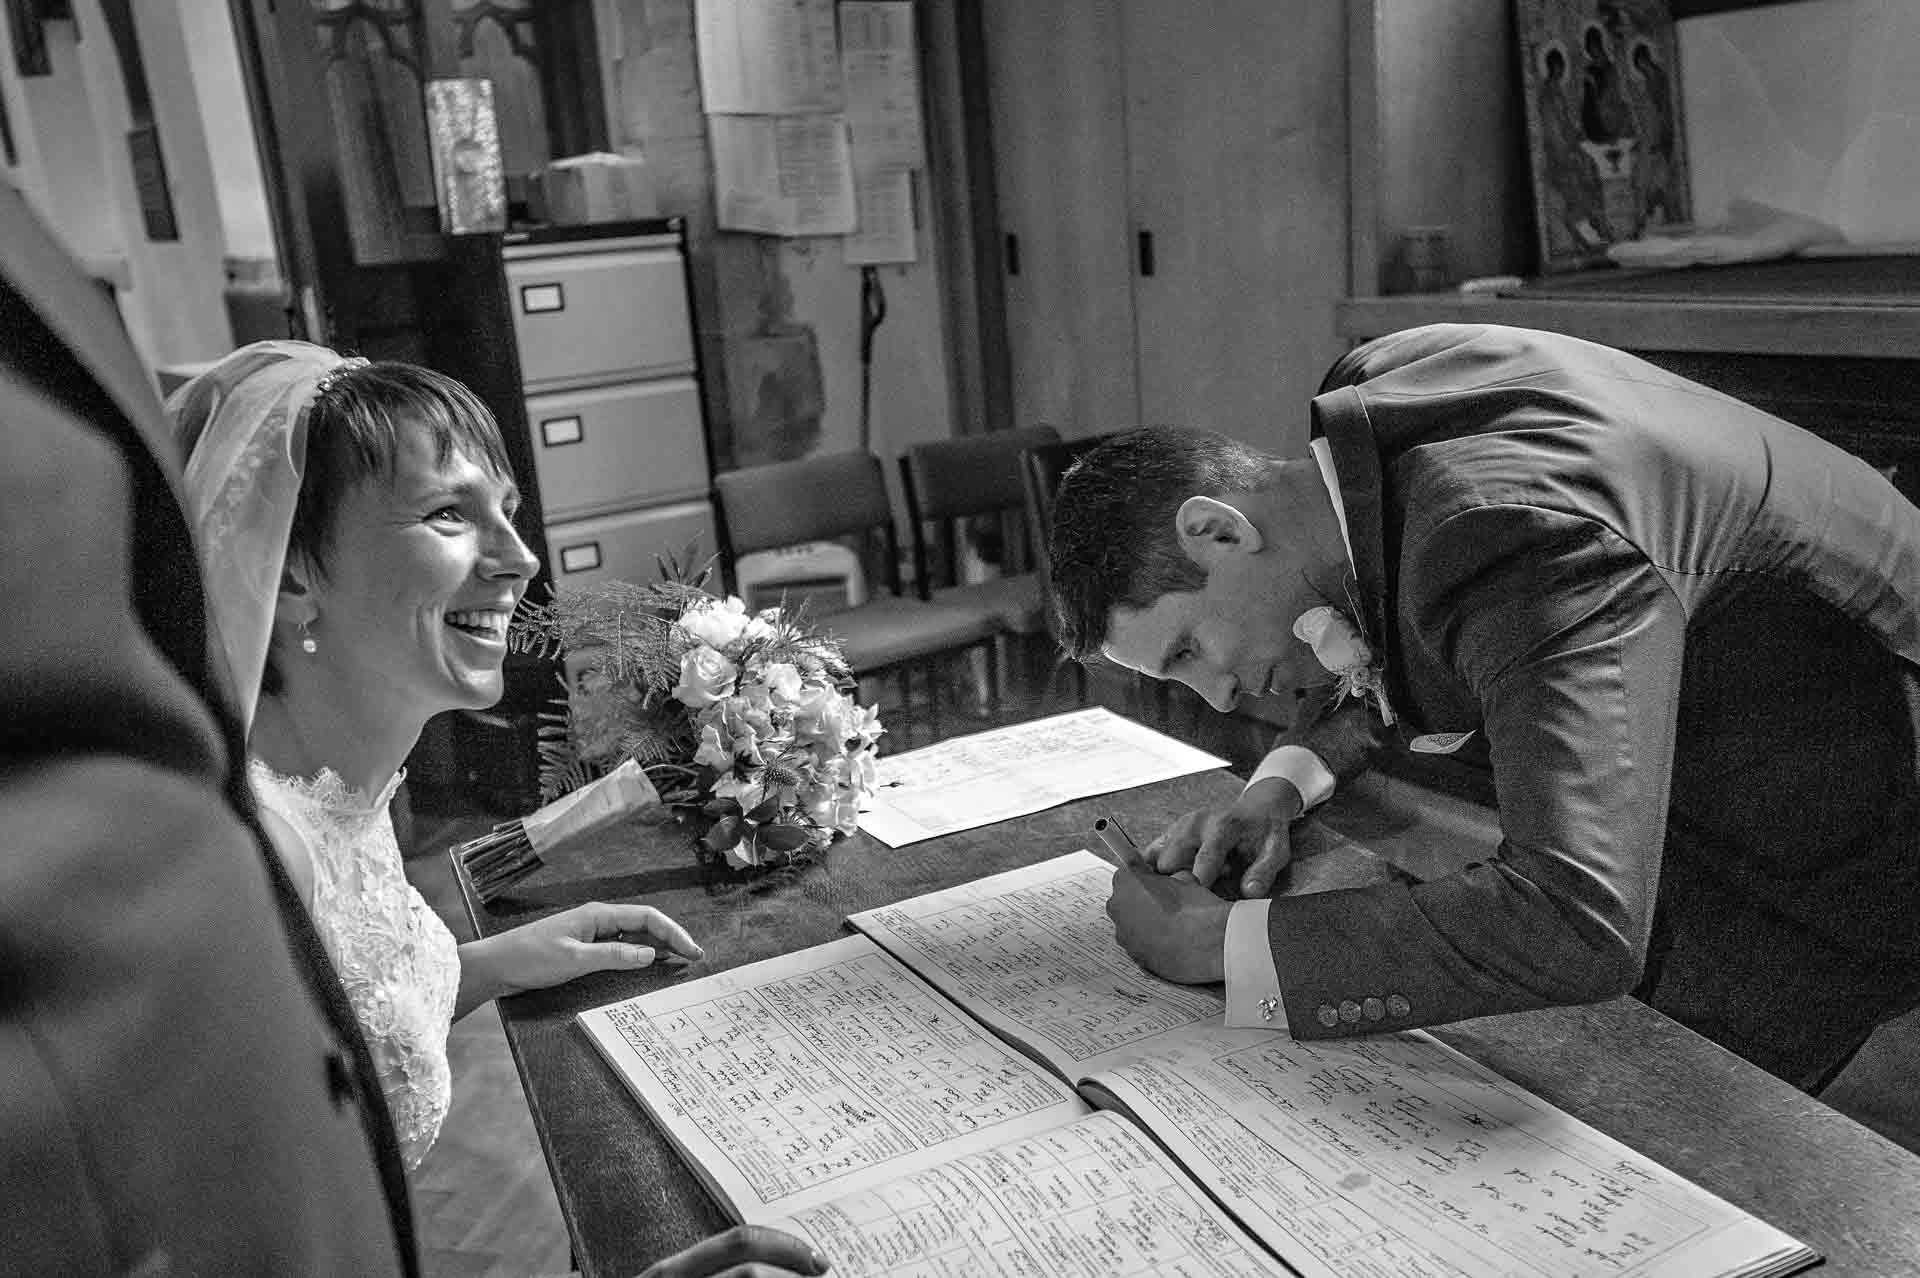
<point x="1605" y="143"/>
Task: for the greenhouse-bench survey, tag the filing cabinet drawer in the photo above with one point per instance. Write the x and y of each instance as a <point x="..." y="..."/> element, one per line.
<point x="624" y="546"/>
<point x="585" y="317"/>
<point x="617" y="446"/>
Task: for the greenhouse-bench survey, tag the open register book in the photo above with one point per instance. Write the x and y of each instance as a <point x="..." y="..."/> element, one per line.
<point x="983" y="1083"/>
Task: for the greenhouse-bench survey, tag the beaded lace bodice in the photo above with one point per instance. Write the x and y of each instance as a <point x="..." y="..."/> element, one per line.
<point x="398" y="961"/>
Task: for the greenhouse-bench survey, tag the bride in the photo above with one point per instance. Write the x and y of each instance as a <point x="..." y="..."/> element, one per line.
<point x="356" y="522"/>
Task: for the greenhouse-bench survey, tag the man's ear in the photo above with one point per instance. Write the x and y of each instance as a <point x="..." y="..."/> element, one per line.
<point x="1210" y="529"/>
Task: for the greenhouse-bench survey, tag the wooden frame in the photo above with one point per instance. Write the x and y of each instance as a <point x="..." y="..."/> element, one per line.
<point x="1605" y="144"/>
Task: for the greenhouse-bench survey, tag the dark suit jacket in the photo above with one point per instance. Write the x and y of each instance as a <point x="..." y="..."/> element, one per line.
<point x="1576" y="555"/>
<point x="183" y="1088"/>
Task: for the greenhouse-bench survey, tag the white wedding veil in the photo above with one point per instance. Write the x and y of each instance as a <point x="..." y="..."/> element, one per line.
<point x="242" y="427"/>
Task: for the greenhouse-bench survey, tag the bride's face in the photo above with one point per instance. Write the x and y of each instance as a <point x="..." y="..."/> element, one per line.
<point x="423" y="569"/>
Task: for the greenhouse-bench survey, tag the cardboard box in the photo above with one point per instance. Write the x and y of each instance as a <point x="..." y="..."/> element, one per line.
<point x="599" y="187"/>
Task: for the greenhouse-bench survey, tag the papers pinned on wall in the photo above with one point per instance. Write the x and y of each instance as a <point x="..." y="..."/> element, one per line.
<point x="815" y="123"/>
<point x="883" y="230"/>
<point x="783" y="174"/>
<point x="767" y="57"/>
<point x="880" y="68"/>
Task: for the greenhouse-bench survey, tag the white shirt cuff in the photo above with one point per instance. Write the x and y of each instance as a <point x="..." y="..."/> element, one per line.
<point x="1301" y="766"/>
<point x="1253" y="984"/>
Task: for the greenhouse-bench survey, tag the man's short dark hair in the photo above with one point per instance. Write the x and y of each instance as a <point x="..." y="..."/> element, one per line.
<point x="1112" y="540"/>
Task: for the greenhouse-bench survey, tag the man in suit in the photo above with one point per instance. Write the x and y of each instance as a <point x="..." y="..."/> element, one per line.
<point x="1682" y="634"/>
<point x="183" y="1086"/>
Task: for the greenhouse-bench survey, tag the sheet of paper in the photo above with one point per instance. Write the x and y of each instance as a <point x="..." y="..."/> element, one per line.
<point x="1398" y="1156"/>
<point x="1031" y="953"/>
<point x="880" y="67"/>
<point x="767" y="57"/>
<point x="883" y="208"/>
<point x="990" y="776"/>
<point x="801" y="1078"/>
<point x="782" y="174"/>
<point x="1095" y="1198"/>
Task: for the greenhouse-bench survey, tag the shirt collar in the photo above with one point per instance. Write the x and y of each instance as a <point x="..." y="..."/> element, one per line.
<point x="1323" y="454"/>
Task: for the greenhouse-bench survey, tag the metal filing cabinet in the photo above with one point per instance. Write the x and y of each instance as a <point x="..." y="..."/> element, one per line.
<point x="609" y="381"/>
<point x="581" y="340"/>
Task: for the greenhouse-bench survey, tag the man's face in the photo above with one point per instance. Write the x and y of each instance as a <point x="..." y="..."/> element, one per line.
<point x="1233" y="637"/>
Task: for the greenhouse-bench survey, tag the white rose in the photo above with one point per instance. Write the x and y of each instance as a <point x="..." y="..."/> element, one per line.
<point x="783" y="680"/>
<point x="1336" y="642"/>
<point x="705" y="677"/>
<point x="716" y="624"/>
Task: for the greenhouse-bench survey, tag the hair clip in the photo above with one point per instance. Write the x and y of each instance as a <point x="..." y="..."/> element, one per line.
<point x="334" y="374"/>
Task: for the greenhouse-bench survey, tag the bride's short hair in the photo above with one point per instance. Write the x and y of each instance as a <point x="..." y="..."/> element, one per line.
<point x="355" y="428"/>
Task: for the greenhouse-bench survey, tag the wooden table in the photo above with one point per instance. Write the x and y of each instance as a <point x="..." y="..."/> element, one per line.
<point x="1630" y="1072"/>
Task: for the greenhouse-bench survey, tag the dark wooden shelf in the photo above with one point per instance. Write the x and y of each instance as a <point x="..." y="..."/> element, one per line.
<point x="1860" y="307"/>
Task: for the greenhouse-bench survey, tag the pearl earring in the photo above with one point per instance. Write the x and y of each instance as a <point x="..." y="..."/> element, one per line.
<point x="307" y="645"/>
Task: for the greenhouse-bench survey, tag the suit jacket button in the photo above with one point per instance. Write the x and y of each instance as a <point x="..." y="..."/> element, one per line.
<point x="340" y="1079"/>
<point x="1372" y="1008"/>
<point x="1349" y="1011"/>
<point x="1326" y="1015"/>
<point x="1397" y="1005"/>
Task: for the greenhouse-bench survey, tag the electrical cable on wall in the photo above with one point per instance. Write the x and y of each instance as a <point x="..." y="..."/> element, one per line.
<point x="873" y="313"/>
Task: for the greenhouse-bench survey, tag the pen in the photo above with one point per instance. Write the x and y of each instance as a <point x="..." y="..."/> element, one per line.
<point x="1112" y="835"/>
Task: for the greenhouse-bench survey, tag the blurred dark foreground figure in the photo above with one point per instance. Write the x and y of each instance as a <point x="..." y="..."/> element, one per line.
<point x="183" y="1086"/>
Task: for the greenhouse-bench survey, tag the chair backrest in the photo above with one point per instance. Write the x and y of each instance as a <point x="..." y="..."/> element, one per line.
<point x="949" y="480"/>
<point x="818" y="498"/>
<point x="1041" y="469"/>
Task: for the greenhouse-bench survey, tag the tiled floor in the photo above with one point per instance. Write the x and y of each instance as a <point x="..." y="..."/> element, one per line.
<point x="486" y="1206"/>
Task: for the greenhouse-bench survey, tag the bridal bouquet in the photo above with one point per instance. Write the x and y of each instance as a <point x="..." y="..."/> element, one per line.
<point x="744" y="722"/>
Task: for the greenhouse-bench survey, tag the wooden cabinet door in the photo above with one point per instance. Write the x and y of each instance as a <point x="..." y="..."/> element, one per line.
<point x="1217" y="130"/>
<point x="1059" y="145"/>
<point x="1237" y="169"/>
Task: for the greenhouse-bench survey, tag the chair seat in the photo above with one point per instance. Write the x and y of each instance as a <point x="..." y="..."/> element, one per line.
<point x="889" y="631"/>
<point x="1013" y="602"/>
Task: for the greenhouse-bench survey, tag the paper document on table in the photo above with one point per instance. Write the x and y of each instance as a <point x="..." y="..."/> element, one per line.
<point x="1031" y="954"/>
<point x="1093" y="1197"/>
<point x="990" y="776"/>
<point x="787" y="1080"/>
<point x="1397" y="1155"/>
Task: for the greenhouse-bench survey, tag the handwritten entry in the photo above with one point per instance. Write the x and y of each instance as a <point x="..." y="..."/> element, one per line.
<point x="786" y="1079"/>
<point x="1094" y="1199"/>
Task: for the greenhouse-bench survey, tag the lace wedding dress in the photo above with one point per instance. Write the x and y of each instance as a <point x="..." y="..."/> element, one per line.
<point x="398" y="961"/>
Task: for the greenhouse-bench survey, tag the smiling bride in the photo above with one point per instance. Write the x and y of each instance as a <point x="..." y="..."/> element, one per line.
<point x="356" y="523"/>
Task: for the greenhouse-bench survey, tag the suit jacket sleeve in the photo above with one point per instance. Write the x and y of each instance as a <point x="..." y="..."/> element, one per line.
<point x="1572" y="644"/>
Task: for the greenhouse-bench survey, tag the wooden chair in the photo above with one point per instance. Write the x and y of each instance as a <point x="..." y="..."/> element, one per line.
<point x="844" y="495"/>
<point x="951" y="487"/>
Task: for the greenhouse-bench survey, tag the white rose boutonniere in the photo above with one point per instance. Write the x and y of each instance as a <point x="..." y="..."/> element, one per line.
<point x="1339" y="646"/>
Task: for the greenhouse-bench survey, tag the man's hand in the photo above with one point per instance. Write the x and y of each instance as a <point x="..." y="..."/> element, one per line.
<point x="745" y="1251"/>
<point x="1169" y="924"/>
<point x="1253" y="832"/>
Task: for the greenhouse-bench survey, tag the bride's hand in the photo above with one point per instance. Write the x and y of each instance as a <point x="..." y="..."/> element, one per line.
<point x="555" y="949"/>
<point x="745" y="1251"/>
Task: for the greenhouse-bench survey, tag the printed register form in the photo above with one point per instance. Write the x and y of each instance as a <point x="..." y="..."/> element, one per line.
<point x="990" y="776"/>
